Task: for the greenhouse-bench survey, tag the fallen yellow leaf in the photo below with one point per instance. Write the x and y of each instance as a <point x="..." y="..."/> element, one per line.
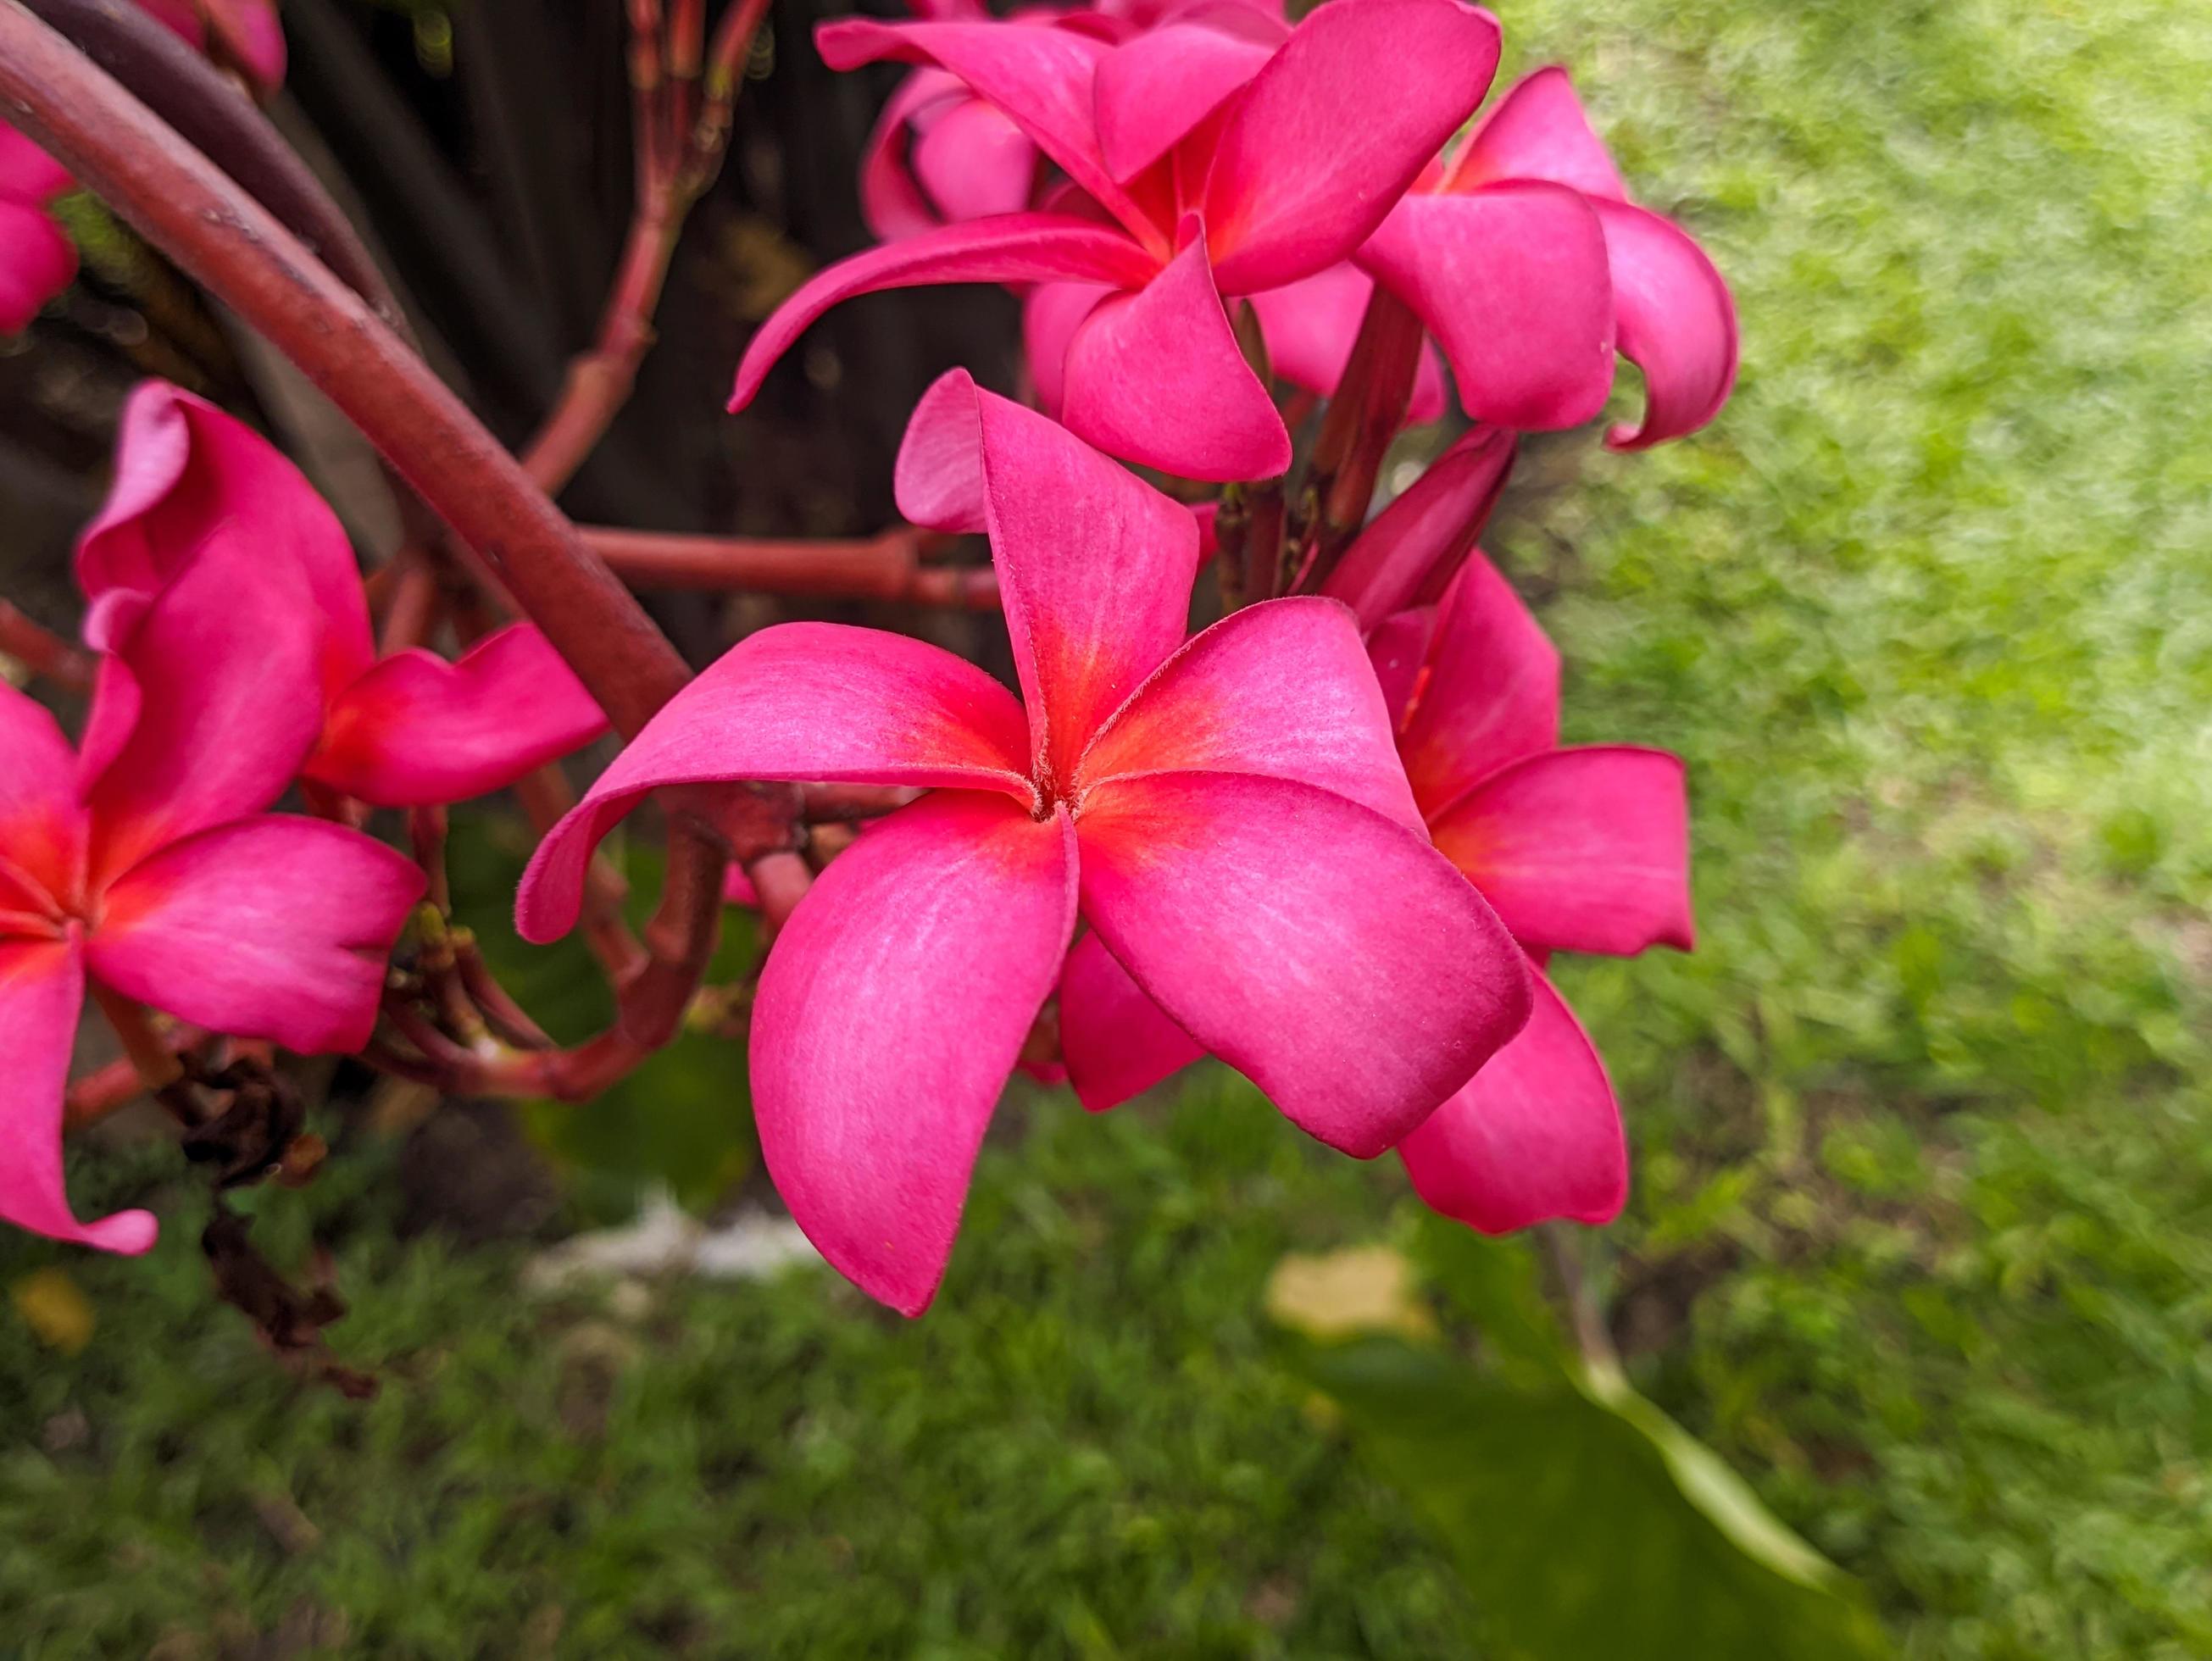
<point x="57" y="1312"/>
<point x="1340" y="1295"/>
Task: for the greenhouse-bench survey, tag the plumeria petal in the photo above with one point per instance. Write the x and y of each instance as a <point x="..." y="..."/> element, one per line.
<point x="41" y="827"/>
<point x="1282" y="689"/>
<point x="1535" y="1135"/>
<point x="1330" y="134"/>
<point x="273" y="928"/>
<point x="28" y="173"/>
<point x="1492" y="694"/>
<point x="416" y="730"/>
<point x="251" y="38"/>
<point x="891" y="1013"/>
<point x="1399" y="647"/>
<point x="1329" y="953"/>
<point x="37" y="261"/>
<point x="1513" y="281"/>
<point x="1585" y="849"/>
<point x="1155" y="89"/>
<point x="1677" y="323"/>
<point x="891" y="198"/>
<point x="1411" y="550"/>
<point x="1157" y="377"/>
<point x="1095" y="566"/>
<point x="1019" y="248"/>
<point x="187" y="478"/>
<point x="221" y="672"/>
<point x="1538" y="131"/>
<point x="813" y="701"/>
<point x="183" y="16"/>
<point x="1051" y="314"/>
<point x="41" y="991"/>
<point x="1117" y="1043"/>
<point x="1310" y="327"/>
<point x="1041" y="77"/>
<point x="974" y="162"/>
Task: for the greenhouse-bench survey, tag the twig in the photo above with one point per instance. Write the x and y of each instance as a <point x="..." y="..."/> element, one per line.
<point x="676" y="160"/>
<point x="545" y="796"/>
<point x="102" y="1091"/>
<point x="44" y="652"/>
<point x="410" y="609"/>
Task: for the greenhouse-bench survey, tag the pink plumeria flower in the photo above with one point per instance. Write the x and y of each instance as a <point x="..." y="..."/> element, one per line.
<point x="37" y="259"/>
<point x="1206" y="160"/>
<point x="1579" y="849"/>
<point x="246" y="35"/>
<point x="941" y="155"/>
<point x="243" y="35"/>
<point x="143" y="862"/>
<point x="1227" y="814"/>
<point x="1528" y="262"/>
<point x="402" y="731"/>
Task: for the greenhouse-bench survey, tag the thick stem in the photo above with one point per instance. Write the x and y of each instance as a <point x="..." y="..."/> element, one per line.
<point x="1232" y="537"/>
<point x="1264" y="554"/>
<point x="886" y="567"/>
<point x="1365" y="415"/>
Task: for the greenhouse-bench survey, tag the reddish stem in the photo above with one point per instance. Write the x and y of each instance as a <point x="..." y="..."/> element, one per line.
<point x="412" y="606"/>
<point x="44" y="652"/>
<point x="545" y="796"/>
<point x="104" y="1089"/>
<point x="677" y="158"/>
<point x="151" y="1055"/>
<point x="1365" y="415"/>
<point x="886" y="567"/>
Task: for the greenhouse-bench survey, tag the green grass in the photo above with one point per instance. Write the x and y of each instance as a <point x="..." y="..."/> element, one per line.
<point x="1922" y="1238"/>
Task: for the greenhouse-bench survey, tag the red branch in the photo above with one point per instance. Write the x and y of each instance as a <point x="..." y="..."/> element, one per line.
<point x="44" y="652"/>
<point x="1365" y="415"/>
<point x="677" y="159"/>
<point x="886" y="567"/>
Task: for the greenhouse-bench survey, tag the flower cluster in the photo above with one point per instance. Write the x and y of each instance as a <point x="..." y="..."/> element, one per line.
<point x="1332" y="839"/>
<point x="1216" y="153"/>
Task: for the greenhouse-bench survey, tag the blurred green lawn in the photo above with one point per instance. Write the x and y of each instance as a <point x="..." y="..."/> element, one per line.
<point x="1921" y="1237"/>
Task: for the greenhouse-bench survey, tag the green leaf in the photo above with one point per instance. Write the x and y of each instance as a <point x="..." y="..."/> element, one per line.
<point x="1587" y="1523"/>
<point x="684" y="1119"/>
